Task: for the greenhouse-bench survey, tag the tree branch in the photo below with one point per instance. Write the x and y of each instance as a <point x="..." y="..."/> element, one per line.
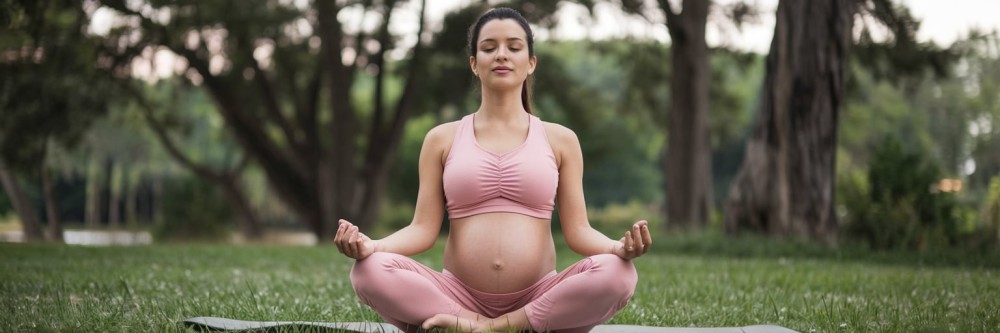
<point x="380" y="153"/>
<point x="673" y="19"/>
<point x="172" y="149"/>
<point x="375" y="134"/>
<point x="271" y="106"/>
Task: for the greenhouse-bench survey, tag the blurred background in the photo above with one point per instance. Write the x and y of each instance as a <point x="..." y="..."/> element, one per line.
<point x="872" y="122"/>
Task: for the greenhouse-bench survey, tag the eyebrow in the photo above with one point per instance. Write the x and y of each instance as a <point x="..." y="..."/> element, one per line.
<point x="509" y="39"/>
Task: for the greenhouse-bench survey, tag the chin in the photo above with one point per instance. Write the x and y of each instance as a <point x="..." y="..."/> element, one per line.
<point x="504" y="84"/>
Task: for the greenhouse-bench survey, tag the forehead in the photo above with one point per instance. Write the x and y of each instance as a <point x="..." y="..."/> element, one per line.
<point x="502" y="29"/>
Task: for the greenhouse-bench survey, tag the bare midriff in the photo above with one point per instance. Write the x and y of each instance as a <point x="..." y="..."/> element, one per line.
<point x="500" y="252"/>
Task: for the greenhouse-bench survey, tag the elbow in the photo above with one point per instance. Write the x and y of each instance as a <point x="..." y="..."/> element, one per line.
<point x="575" y="240"/>
<point x="428" y="243"/>
<point x="427" y="237"/>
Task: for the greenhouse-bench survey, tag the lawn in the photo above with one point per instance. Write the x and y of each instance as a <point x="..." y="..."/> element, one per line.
<point x="688" y="281"/>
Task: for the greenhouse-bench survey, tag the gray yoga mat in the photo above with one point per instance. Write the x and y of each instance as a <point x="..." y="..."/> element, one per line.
<point x="226" y="324"/>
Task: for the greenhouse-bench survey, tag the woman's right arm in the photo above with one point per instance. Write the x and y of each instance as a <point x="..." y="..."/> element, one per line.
<point x="423" y="230"/>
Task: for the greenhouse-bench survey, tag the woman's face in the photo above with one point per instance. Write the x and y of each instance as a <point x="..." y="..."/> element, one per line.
<point x="502" y="59"/>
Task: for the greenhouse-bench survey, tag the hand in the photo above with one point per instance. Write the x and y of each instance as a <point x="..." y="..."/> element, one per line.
<point x="353" y="243"/>
<point x="635" y="243"/>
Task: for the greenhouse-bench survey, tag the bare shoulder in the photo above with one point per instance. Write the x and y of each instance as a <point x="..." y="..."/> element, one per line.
<point x="442" y="132"/>
<point x="565" y="145"/>
<point x="440" y="138"/>
<point x="560" y="137"/>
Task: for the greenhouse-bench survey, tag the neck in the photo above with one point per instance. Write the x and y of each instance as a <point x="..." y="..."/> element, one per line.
<point x="502" y="105"/>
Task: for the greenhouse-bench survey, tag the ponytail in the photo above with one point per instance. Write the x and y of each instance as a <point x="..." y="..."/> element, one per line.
<point x="526" y="94"/>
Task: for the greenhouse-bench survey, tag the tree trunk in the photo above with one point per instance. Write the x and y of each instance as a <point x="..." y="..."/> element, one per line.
<point x="785" y="186"/>
<point x="688" y="164"/>
<point x="55" y="230"/>
<point x="22" y="205"/>
<point x="132" y="196"/>
<point x="92" y="213"/>
<point x="114" y="196"/>
<point x="156" y="200"/>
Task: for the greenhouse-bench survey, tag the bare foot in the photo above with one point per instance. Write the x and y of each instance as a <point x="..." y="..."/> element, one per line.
<point x="452" y="323"/>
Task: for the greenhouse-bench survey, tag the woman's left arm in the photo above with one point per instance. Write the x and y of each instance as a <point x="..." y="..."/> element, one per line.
<point x="580" y="236"/>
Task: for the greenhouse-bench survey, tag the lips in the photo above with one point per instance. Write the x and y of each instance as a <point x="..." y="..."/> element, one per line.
<point x="502" y="69"/>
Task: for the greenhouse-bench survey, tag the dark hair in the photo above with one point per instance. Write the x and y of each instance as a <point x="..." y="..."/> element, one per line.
<point x="501" y="13"/>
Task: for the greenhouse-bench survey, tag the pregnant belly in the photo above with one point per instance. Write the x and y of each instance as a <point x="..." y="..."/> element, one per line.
<point x="502" y="256"/>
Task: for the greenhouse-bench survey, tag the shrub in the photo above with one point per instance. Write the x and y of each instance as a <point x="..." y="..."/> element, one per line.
<point x="614" y="219"/>
<point x="193" y="210"/>
<point x="989" y="215"/>
<point x="896" y="206"/>
<point x="392" y="216"/>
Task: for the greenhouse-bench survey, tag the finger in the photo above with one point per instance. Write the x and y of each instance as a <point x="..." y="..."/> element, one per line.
<point x="347" y="242"/>
<point x="354" y="241"/>
<point x="637" y="239"/>
<point x="339" y="238"/>
<point x="344" y="223"/>
<point x="647" y="239"/>
<point x="338" y="233"/>
<point x="629" y="245"/>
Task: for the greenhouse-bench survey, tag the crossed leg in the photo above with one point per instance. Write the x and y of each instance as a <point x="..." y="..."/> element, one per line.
<point x="410" y="295"/>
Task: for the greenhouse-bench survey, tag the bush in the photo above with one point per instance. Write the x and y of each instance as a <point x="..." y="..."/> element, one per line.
<point x="989" y="215"/>
<point x="193" y="210"/>
<point x="392" y="216"/>
<point x="896" y="206"/>
<point x="614" y="219"/>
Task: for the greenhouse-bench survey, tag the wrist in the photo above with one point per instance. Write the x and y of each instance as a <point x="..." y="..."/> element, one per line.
<point x="616" y="247"/>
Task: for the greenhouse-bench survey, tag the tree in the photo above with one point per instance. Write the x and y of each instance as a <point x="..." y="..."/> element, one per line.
<point x="687" y="158"/>
<point x="51" y="89"/>
<point x="281" y="77"/>
<point x="286" y="79"/>
<point x="786" y="183"/>
<point x="688" y="161"/>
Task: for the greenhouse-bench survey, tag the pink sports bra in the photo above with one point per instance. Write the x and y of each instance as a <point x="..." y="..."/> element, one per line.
<point x="521" y="181"/>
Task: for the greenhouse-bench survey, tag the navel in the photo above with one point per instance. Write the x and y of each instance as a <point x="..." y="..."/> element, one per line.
<point x="497" y="265"/>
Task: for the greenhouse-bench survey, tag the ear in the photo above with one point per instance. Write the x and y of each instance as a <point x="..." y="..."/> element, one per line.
<point x="472" y="65"/>
<point x="531" y="64"/>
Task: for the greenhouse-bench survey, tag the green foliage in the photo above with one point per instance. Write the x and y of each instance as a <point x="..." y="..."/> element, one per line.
<point x="614" y="219"/>
<point x="735" y="86"/>
<point x="51" y="88"/>
<point x="897" y="205"/>
<point x="979" y="104"/>
<point x="899" y="55"/>
<point x="620" y="139"/>
<point x="393" y="216"/>
<point x="193" y="210"/>
<point x="990" y="213"/>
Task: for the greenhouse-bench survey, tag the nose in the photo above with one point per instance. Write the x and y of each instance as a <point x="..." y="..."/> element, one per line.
<point x="502" y="53"/>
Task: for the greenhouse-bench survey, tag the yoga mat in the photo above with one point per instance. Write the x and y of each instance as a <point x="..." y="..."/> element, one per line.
<point x="226" y="324"/>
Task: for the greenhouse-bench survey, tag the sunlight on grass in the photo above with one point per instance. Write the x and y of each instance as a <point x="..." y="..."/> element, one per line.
<point x="152" y="288"/>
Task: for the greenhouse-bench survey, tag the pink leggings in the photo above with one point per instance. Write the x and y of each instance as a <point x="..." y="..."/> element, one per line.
<point x="406" y="293"/>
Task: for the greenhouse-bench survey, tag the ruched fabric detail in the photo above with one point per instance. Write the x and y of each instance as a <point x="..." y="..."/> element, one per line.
<point x="523" y="180"/>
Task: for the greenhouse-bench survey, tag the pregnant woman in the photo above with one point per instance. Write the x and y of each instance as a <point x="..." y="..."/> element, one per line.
<point x="499" y="172"/>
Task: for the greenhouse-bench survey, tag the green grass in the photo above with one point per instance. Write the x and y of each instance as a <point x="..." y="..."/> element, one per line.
<point x="691" y="280"/>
